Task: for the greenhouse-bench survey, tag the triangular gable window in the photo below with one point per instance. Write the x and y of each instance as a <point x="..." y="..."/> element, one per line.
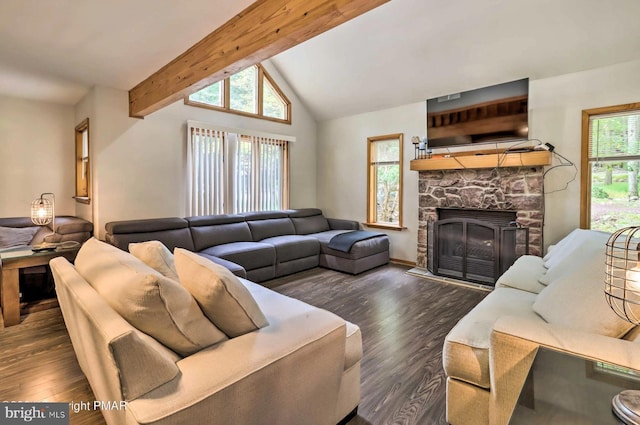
<point x="251" y="92"/>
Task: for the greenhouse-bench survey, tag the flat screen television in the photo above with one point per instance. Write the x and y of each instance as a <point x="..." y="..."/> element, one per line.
<point x="487" y="115"/>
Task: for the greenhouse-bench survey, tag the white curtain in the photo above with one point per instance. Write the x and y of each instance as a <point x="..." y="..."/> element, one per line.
<point x="259" y="173"/>
<point x="206" y="173"/>
<point x="233" y="173"/>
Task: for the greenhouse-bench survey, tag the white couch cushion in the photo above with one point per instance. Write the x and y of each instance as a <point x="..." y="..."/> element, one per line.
<point x="466" y="347"/>
<point x="576" y="299"/>
<point x="157" y="256"/>
<point x="585" y="244"/>
<point x="152" y="303"/>
<point x="571" y="243"/>
<point x="524" y="274"/>
<point x="221" y="296"/>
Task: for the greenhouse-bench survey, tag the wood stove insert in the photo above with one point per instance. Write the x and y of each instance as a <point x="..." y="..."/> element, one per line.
<point x="476" y="245"/>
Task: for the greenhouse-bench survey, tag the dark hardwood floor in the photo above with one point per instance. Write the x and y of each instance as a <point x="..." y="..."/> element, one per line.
<point x="403" y="319"/>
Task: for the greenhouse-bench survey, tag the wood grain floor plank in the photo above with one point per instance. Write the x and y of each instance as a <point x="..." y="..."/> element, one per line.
<point x="403" y="319"/>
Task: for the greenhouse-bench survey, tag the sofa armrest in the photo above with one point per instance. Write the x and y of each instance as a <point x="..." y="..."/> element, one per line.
<point x="515" y="342"/>
<point x="119" y="361"/>
<point x="341" y="224"/>
<point x="287" y="372"/>
<point x="234" y="268"/>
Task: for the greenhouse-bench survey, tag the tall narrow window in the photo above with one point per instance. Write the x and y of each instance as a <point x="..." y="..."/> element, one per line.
<point x="243" y="90"/>
<point x="250" y="92"/>
<point x="384" y="189"/>
<point x="610" y="167"/>
<point x="231" y="172"/>
<point x="83" y="169"/>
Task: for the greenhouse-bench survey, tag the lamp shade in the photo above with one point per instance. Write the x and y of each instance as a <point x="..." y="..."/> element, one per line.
<point x="622" y="273"/>
<point x="43" y="209"/>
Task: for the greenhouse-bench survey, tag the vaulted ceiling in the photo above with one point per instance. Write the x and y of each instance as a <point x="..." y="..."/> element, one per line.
<point x="402" y="52"/>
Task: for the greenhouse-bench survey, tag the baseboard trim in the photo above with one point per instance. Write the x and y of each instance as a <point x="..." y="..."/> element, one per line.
<point x="403" y="262"/>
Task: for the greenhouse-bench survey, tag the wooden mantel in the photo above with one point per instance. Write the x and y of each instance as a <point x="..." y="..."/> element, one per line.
<point x="482" y="159"/>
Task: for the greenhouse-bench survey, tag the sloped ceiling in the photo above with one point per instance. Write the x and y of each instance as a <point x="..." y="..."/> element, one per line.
<point x="410" y="50"/>
<point x="61" y="48"/>
<point x="404" y="51"/>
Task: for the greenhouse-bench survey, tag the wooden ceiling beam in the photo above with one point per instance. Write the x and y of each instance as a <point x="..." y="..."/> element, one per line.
<point x="262" y="30"/>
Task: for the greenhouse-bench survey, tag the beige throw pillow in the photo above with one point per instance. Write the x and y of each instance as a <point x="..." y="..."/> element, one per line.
<point x="576" y="300"/>
<point x="220" y="294"/>
<point x="524" y="274"/>
<point x="156" y="305"/>
<point x="157" y="256"/>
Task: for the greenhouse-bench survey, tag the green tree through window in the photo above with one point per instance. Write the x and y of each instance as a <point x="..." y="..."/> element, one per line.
<point x="611" y="167"/>
<point x="384" y="200"/>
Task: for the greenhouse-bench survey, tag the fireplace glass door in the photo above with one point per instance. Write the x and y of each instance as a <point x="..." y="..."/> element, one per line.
<point x="467" y="249"/>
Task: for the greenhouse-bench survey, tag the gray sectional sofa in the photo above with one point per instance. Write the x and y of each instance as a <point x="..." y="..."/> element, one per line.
<point x="68" y="228"/>
<point x="259" y="245"/>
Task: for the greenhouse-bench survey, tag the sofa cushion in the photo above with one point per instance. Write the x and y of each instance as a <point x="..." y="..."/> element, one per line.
<point x="263" y="229"/>
<point x="575" y="255"/>
<point x="576" y="300"/>
<point x="69" y="224"/>
<point x="15" y="236"/>
<point x="219" y="293"/>
<point x="250" y="255"/>
<point x="152" y="303"/>
<point x="466" y="347"/>
<point x="524" y="274"/>
<point x="172" y="231"/>
<point x="292" y="247"/>
<point x="570" y="245"/>
<point x="155" y="255"/>
<point x="314" y="224"/>
<point x="206" y="236"/>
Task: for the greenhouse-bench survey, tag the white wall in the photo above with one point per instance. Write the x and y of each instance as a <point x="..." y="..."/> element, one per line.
<point x="37" y="152"/>
<point x="342" y="169"/>
<point x="139" y="165"/>
<point x="555" y="107"/>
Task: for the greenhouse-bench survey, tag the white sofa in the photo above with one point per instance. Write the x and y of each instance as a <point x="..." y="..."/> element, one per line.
<point x="303" y="367"/>
<point x="557" y="301"/>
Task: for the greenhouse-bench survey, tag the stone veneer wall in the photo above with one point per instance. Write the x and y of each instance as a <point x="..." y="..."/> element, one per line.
<point x="517" y="189"/>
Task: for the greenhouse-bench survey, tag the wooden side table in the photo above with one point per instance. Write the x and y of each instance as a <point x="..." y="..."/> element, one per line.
<point x="10" y="284"/>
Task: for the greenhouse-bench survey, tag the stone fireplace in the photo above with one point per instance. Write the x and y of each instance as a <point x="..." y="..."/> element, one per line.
<point x="517" y="190"/>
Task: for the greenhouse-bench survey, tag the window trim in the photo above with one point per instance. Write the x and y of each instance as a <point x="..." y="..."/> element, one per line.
<point x="371" y="198"/>
<point x="226" y="89"/>
<point x="585" y="169"/>
<point x="84" y="198"/>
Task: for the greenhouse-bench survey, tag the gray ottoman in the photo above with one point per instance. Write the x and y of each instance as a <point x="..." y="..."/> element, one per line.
<point x="364" y="255"/>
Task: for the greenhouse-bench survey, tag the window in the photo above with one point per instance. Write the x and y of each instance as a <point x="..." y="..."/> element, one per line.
<point x="610" y="166"/>
<point x="384" y="189"/>
<point x="250" y="92"/>
<point x="83" y="171"/>
<point x="231" y="171"/>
